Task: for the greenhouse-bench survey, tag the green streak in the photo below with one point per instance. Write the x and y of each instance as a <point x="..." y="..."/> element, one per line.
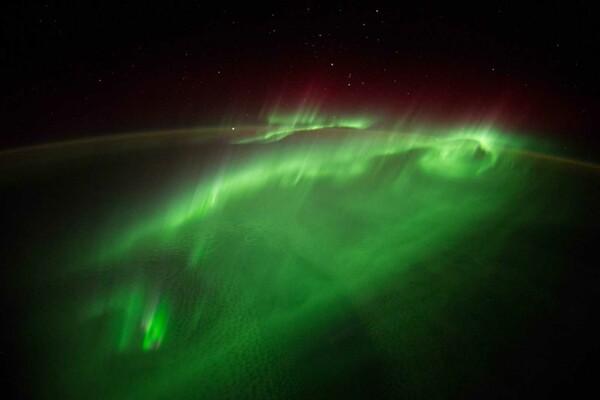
<point x="307" y="119"/>
<point x="155" y="326"/>
<point x="136" y="315"/>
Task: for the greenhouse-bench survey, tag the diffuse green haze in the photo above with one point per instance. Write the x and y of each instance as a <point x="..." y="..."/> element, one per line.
<point x="319" y="264"/>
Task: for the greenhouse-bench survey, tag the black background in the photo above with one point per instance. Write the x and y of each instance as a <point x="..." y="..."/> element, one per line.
<point x="88" y="69"/>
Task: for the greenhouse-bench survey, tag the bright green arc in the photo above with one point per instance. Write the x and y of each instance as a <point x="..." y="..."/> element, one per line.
<point x="464" y="154"/>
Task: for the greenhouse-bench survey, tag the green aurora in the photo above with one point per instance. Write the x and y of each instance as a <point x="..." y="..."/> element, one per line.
<point x="320" y="257"/>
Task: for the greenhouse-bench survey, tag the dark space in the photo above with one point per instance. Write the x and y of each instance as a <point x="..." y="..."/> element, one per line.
<point x="88" y="69"/>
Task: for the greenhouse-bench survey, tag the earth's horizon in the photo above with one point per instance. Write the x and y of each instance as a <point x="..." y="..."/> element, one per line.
<point x="299" y="263"/>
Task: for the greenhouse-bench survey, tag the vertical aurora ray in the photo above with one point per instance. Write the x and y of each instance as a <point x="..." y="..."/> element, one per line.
<point x="137" y="316"/>
<point x="155" y="326"/>
<point x="308" y="118"/>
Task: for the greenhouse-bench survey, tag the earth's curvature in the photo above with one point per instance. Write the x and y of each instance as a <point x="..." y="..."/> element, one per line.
<point x="330" y="263"/>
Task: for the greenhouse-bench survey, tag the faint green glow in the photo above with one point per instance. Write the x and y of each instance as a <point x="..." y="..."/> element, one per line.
<point x="130" y="305"/>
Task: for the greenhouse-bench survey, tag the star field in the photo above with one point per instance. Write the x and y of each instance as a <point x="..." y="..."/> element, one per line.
<point x="75" y="71"/>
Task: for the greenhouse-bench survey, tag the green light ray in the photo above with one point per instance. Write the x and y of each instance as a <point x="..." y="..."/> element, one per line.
<point x="281" y="125"/>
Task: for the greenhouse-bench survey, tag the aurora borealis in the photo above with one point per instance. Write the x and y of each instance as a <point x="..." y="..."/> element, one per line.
<point x="320" y="262"/>
<point x="299" y="201"/>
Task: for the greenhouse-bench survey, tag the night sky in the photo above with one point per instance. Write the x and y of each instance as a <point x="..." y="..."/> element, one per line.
<point x="80" y="71"/>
